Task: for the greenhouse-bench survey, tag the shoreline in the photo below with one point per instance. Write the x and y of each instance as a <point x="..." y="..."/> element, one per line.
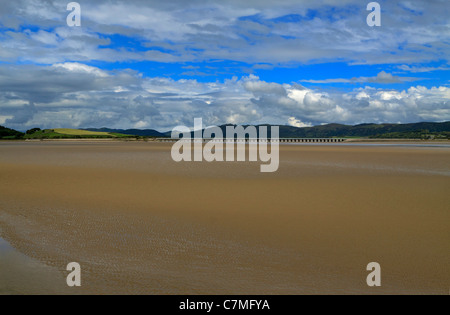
<point x="347" y="141"/>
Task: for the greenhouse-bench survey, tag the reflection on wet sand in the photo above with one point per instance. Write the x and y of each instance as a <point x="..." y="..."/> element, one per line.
<point x="138" y="222"/>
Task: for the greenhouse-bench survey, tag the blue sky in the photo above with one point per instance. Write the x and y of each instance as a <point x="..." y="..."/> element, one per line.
<point x="153" y="64"/>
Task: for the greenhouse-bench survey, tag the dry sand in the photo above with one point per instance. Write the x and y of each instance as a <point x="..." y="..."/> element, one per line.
<point x="138" y="222"/>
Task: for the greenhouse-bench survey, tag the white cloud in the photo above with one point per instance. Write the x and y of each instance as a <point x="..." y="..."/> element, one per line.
<point x="3" y="119"/>
<point x="381" y="78"/>
<point x="74" y="95"/>
<point x="46" y="38"/>
<point x="76" y="67"/>
<point x="292" y="121"/>
<point x="141" y="125"/>
<point x="422" y="69"/>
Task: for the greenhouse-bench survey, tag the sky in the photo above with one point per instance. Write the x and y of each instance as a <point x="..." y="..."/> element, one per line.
<point x="159" y="64"/>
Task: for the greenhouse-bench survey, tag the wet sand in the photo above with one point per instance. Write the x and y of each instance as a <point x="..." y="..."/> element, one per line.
<point x="138" y="222"/>
<point x="21" y="275"/>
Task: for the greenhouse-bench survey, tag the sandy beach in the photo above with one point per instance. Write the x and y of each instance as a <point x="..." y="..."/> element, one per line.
<point x="137" y="222"/>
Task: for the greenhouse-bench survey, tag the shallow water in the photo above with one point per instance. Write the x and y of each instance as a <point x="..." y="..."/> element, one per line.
<point x="20" y="274"/>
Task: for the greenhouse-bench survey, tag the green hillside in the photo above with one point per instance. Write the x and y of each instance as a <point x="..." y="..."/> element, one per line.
<point x="148" y="133"/>
<point x="72" y="134"/>
<point x="10" y="134"/>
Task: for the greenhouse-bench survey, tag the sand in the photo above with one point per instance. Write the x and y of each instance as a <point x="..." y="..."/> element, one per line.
<point x="137" y="222"/>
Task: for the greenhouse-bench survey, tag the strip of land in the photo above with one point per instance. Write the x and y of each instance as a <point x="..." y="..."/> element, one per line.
<point x="417" y="131"/>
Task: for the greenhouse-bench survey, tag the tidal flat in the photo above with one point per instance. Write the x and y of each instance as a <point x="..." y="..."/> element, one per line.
<point x="139" y="223"/>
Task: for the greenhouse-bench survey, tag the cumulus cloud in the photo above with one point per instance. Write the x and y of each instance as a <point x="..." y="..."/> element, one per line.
<point x="79" y="96"/>
<point x="292" y="121"/>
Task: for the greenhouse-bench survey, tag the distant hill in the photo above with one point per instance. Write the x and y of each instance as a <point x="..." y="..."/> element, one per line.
<point x="133" y="132"/>
<point x="10" y="134"/>
<point x="423" y="130"/>
<point x="402" y="131"/>
<point x="363" y="130"/>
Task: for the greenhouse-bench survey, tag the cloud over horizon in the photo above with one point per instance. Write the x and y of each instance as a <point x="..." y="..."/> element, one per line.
<point x="77" y="96"/>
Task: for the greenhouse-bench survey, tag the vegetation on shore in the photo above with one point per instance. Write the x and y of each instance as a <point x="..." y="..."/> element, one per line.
<point x="420" y="134"/>
<point x="10" y="134"/>
<point x="36" y="133"/>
